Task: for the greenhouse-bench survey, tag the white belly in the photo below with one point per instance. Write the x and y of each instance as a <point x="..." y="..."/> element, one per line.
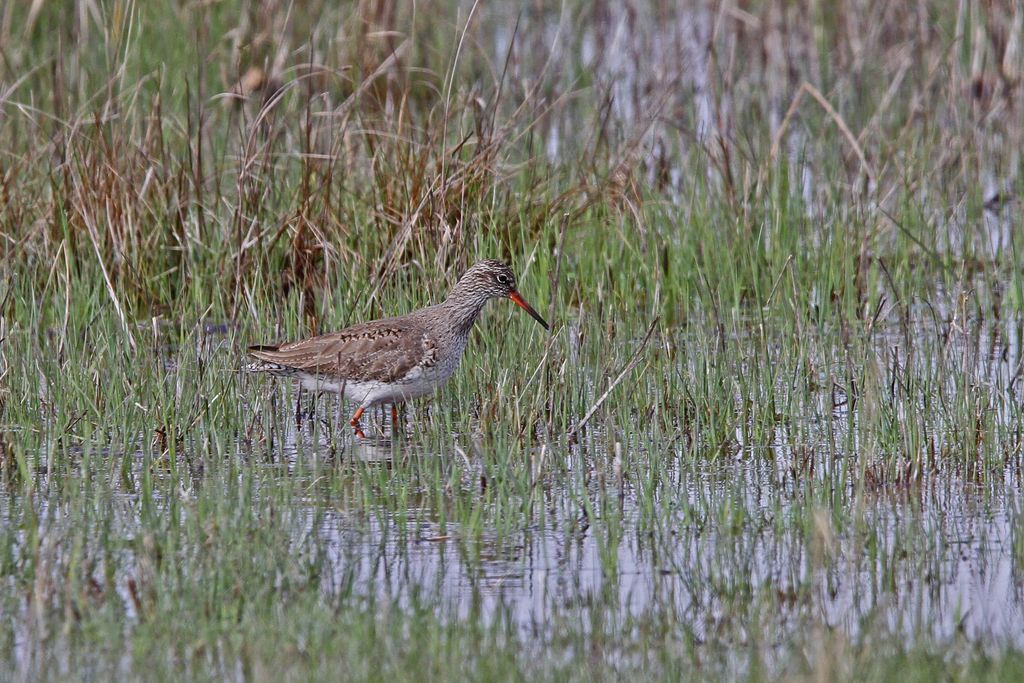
<point x="419" y="382"/>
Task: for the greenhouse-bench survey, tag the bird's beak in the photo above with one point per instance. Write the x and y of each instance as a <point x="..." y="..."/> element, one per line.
<point x="521" y="302"/>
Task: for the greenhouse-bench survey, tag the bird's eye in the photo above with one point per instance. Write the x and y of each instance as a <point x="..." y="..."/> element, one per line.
<point x="503" y="279"/>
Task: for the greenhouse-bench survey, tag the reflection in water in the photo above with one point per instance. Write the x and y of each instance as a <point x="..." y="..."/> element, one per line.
<point x="934" y="565"/>
<point x="769" y="540"/>
<point x="372" y="449"/>
<point x="764" y="541"/>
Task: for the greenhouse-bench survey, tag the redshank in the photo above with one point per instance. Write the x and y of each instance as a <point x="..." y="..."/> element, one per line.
<point x="394" y="359"/>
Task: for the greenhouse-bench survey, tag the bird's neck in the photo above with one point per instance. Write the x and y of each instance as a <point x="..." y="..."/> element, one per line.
<point x="462" y="308"/>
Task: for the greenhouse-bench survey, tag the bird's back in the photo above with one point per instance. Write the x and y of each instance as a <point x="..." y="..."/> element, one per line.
<point x="385" y="350"/>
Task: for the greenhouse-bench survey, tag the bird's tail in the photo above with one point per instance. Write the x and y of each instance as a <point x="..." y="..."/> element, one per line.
<point x="262" y="347"/>
<point x="262" y="365"/>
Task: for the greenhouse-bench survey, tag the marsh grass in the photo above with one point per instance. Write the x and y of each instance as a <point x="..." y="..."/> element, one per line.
<point x="819" y="446"/>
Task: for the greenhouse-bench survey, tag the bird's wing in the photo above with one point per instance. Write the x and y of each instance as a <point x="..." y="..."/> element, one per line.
<point x="382" y="351"/>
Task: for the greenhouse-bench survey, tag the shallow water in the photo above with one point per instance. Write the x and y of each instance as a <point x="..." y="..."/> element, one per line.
<point x="944" y="562"/>
<point x="751" y="545"/>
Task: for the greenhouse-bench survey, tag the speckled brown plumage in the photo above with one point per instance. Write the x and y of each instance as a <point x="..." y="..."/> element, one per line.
<point x="394" y="359"/>
<point x="378" y="351"/>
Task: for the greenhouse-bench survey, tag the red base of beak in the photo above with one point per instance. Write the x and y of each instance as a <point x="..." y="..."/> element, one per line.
<point x="521" y="302"/>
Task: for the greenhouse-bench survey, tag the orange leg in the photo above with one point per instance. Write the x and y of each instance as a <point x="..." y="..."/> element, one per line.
<point x="394" y="418"/>
<point x="355" y="423"/>
<point x="355" y="418"/>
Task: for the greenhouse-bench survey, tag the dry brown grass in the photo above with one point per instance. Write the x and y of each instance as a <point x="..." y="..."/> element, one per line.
<point x="304" y="140"/>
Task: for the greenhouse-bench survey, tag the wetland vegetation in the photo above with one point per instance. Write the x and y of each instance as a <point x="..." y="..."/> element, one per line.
<point x="775" y="431"/>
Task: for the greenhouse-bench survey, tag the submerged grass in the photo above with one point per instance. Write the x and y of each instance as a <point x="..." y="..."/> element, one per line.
<point x="812" y="472"/>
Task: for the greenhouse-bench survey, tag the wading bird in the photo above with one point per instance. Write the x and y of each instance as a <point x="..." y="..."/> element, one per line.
<point x="394" y="359"/>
